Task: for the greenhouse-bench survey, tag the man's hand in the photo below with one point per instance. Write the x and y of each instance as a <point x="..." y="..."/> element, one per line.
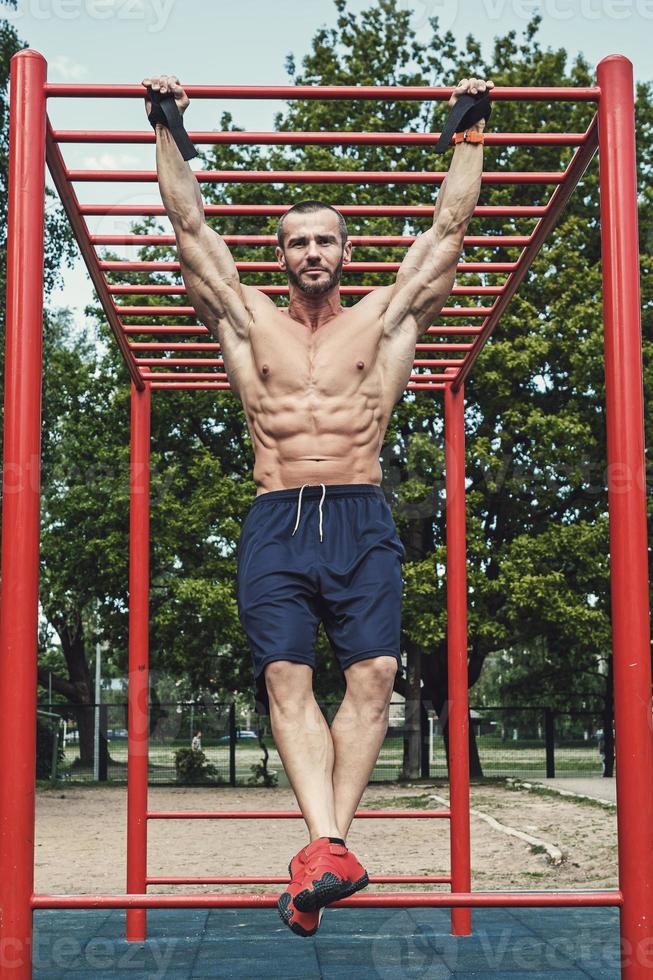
<point x="165" y="84"/>
<point x="471" y="86"/>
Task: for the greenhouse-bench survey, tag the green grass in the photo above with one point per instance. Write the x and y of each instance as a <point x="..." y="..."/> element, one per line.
<point x="498" y="758"/>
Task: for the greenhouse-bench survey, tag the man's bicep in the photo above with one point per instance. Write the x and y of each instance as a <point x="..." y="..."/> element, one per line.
<point x="204" y="256"/>
<point x="211" y="279"/>
<point x="422" y="287"/>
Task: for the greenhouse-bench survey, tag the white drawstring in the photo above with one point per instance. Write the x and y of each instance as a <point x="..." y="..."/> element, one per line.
<point x="321" y="502"/>
<point x="299" y="506"/>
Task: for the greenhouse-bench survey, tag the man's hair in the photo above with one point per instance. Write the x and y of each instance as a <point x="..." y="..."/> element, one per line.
<point x="310" y="207"/>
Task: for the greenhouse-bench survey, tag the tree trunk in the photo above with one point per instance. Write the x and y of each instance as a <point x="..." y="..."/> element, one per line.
<point x="412" y="728"/>
<point x="608" y="721"/>
<point x="475" y="768"/>
<point x="78" y="687"/>
<point x="435" y="675"/>
<point x="424" y="706"/>
<point x="476" y="662"/>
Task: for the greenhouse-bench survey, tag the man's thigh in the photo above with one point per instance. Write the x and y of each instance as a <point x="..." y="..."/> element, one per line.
<point x="362" y="615"/>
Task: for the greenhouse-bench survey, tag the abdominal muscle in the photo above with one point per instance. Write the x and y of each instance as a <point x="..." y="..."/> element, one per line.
<point x="314" y="402"/>
<point x="297" y="444"/>
<point x="297" y="473"/>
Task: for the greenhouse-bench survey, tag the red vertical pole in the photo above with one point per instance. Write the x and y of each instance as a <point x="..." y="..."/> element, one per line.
<point x="627" y="507"/>
<point x="20" y="510"/>
<point x="138" y="696"/>
<point x="454" y="425"/>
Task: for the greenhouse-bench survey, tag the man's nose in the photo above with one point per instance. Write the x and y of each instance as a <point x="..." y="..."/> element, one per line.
<point x="312" y="250"/>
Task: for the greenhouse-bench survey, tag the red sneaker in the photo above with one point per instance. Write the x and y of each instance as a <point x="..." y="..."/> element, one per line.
<point x="330" y="872"/>
<point x="301" y="923"/>
<point x="296" y="865"/>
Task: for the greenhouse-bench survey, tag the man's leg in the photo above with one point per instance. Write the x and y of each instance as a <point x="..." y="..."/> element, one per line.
<point x="358" y="730"/>
<point x="303" y="740"/>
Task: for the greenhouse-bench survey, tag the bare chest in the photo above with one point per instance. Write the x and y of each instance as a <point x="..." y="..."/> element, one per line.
<point x="339" y="358"/>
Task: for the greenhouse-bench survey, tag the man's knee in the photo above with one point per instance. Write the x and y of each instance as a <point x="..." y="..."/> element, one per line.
<point x="372" y="680"/>
<point x="289" y="684"/>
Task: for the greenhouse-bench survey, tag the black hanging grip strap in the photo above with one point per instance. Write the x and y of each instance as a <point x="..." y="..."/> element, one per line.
<point x="467" y="110"/>
<point x="164" y="110"/>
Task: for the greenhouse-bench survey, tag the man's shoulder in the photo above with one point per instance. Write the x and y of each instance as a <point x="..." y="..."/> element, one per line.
<point x="374" y="304"/>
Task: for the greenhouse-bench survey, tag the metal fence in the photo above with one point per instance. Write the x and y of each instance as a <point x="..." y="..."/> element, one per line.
<point x="210" y="744"/>
<point x="529" y="741"/>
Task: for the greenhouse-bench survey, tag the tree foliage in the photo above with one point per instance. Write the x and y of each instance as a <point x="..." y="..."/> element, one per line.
<point x="536" y="458"/>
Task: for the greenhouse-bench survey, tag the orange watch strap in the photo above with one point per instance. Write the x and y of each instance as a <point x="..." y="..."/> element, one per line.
<point x="468" y="136"/>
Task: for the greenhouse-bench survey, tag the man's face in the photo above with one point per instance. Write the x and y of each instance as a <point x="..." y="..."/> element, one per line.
<point x="313" y="255"/>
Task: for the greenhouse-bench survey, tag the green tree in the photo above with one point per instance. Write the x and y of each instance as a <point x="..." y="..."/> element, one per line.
<point x="58" y="239"/>
<point x="537" y="503"/>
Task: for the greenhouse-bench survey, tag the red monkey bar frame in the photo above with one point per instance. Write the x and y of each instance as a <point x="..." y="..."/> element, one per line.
<point x="32" y="139"/>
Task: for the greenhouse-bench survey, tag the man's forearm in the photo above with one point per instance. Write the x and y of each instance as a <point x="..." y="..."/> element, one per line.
<point x="179" y="188"/>
<point x="459" y="191"/>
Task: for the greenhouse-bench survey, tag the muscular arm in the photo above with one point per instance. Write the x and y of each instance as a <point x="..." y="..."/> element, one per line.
<point x="207" y="267"/>
<point x="427" y="274"/>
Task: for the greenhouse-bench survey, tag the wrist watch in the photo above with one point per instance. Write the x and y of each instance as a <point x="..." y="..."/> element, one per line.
<point x="468" y="136"/>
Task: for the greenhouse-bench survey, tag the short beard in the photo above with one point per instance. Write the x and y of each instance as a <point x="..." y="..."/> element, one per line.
<point x="316" y="288"/>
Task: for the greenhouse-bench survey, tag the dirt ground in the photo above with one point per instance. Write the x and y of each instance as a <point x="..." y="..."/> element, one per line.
<point x="81" y="835"/>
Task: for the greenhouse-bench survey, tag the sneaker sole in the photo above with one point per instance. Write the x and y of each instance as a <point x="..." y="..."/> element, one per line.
<point x="328" y="889"/>
<point x="286" y="912"/>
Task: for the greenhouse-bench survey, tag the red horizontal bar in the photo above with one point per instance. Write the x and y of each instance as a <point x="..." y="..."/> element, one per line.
<point x="188" y="385"/>
<point x="190" y="311"/>
<point x="224" y="386"/>
<point x="394" y="93"/>
<point x="290" y="814"/>
<point x="219" y="361"/>
<point x="137" y="266"/>
<point x="280" y="880"/>
<point x="447" y="346"/>
<point x="180" y="361"/>
<point x="214" y="345"/>
<point x="156" y="328"/>
<point x="220" y="376"/>
<point x="505" y="241"/>
<point x="380" y="900"/>
<point x="314" y="176"/>
<point x="454" y="329"/>
<point x="349" y="210"/>
<point x="161" y="345"/>
<point x="438" y="362"/>
<point x="147" y="345"/>
<point x="137" y="289"/>
<point x="235" y="138"/>
<point x="184" y="375"/>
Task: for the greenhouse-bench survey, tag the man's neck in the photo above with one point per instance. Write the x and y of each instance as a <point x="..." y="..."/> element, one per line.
<point x="314" y="311"/>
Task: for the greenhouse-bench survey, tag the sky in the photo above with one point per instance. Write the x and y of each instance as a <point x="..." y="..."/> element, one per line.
<point x="246" y="43"/>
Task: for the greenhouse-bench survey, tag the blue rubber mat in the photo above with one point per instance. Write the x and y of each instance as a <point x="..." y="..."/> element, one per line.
<point x="368" y="944"/>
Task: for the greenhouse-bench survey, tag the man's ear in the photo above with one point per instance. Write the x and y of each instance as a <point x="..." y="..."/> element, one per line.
<point x="346" y="253"/>
<point x="281" y="258"/>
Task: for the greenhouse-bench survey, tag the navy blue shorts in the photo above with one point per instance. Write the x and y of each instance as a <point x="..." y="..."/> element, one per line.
<point x="336" y="559"/>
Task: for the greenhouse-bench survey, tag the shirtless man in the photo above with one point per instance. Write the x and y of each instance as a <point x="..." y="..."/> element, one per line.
<point x="318" y="383"/>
